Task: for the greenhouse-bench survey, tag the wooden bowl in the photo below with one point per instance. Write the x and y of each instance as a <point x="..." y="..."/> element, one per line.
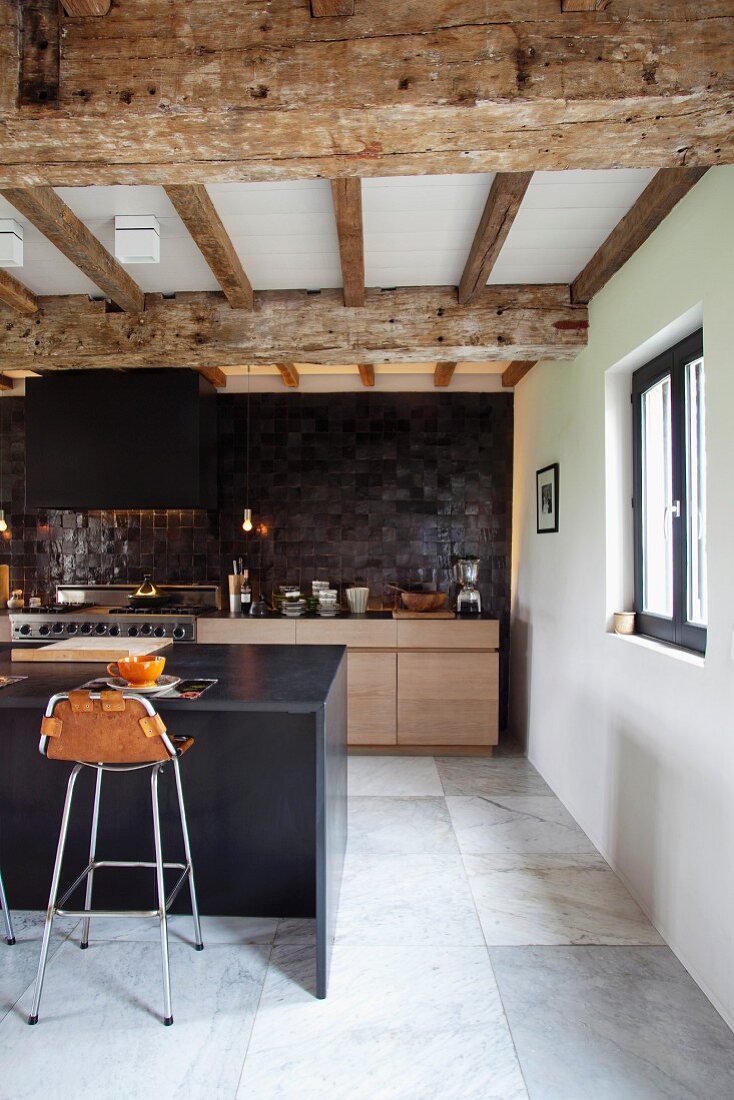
<point x="424" y="601"/>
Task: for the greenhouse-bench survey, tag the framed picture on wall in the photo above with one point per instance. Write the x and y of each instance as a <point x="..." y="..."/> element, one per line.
<point x="546" y="498"/>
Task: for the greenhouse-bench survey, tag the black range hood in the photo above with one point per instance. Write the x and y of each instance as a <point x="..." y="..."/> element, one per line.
<point x="103" y="439"/>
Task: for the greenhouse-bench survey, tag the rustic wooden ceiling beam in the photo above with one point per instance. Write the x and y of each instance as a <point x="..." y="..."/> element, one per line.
<point x="515" y="372"/>
<point x="290" y="375"/>
<point x="409" y="325"/>
<point x="663" y="192"/>
<point x="583" y="5"/>
<point x="215" y="375"/>
<point x="197" y="212"/>
<point x="81" y="8"/>
<point x="15" y="295"/>
<point x="38" y="77"/>
<point x="503" y="202"/>
<point x="52" y="217"/>
<point x="443" y="373"/>
<point x="347" y="197"/>
<point x="366" y="373"/>
<point x="339" y="8"/>
<point x="514" y="87"/>
<point x="6" y="383"/>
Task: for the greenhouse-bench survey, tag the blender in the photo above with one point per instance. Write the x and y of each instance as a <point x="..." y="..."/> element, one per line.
<point x="468" y="599"/>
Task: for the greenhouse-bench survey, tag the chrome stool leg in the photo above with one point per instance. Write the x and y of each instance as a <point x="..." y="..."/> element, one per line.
<point x="9" y="935"/>
<point x="187" y="851"/>
<point x="92" y="852"/>
<point x="161" y="892"/>
<point x="51" y="911"/>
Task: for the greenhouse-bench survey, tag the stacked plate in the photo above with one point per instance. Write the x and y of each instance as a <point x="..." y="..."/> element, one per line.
<point x="293" y="609"/>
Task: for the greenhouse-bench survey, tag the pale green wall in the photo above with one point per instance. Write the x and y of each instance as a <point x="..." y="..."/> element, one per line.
<point x="638" y="744"/>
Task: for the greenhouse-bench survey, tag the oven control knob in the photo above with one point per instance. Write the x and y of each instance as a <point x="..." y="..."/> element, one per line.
<point x="86" y="628"/>
<point x="132" y="632"/>
<point x="44" y="629"/>
<point x="71" y="628"/>
<point x="160" y="632"/>
<point x="25" y="629"/>
<point x="114" y="631"/>
<point x="100" y="628"/>
<point x="179" y="632"/>
<point x="146" y="628"/>
<point x="58" y="628"/>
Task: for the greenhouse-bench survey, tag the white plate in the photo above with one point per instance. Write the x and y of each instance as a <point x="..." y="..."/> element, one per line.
<point x="162" y="684"/>
<point x="328" y="614"/>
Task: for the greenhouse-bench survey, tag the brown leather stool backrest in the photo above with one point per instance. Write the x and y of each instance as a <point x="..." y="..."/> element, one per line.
<point x="109" y="729"/>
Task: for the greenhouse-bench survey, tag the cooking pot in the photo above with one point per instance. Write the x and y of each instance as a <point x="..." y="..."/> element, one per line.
<point x="147" y="595"/>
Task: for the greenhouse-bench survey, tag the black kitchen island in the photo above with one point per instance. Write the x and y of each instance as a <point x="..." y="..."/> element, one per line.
<point x="265" y="787"/>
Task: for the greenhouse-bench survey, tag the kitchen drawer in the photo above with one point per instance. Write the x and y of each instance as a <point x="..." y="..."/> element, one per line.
<point x="448" y="698"/>
<point x="359" y="633"/>
<point x="448" y="634"/>
<point x="372" y="698"/>
<point x="244" y="631"/>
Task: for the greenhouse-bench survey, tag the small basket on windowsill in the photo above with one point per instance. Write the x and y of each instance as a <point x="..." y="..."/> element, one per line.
<point x="624" y="622"/>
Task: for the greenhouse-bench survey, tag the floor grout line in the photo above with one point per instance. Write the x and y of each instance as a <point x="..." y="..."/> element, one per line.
<point x="255" y="1013"/>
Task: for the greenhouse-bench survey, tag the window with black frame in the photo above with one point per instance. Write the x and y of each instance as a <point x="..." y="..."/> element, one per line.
<point x="669" y="405"/>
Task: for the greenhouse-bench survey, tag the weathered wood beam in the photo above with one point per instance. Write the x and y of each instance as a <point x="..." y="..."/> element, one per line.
<point x="154" y="92"/>
<point x="347" y="197"/>
<point x="197" y="212"/>
<point x="503" y="202"/>
<point x="366" y="373"/>
<point x="443" y="373"/>
<point x="52" y="217"/>
<point x="583" y="5"/>
<point x="515" y="372"/>
<point x="81" y="8"/>
<point x="289" y="374"/>
<point x="6" y="383"/>
<point x="322" y="8"/>
<point x="409" y="325"/>
<point x="664" y="190"/>
<point x="15" y="295"/>
<point x="215" y="375"/>
<point x="38" y="82"/>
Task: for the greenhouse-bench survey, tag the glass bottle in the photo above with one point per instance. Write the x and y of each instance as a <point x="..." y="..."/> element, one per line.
<point x="245" y="593"/>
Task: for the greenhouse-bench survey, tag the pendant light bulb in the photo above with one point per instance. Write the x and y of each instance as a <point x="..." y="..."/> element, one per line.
<point x="246" y="523"/>
<point x="3" y="521"/>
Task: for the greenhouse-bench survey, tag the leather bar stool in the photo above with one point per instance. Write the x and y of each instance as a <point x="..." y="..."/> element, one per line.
<point x="9" y="935"/>
<point x="119" y="732"/>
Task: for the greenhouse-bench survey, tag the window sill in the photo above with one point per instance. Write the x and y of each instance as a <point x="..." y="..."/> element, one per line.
<point x="676" y="652"/>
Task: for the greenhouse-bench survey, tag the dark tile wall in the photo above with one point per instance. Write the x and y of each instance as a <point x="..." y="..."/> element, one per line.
<point x="361" y="487"/>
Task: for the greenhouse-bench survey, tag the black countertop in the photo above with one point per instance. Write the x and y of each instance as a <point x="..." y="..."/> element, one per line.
<point x="251" y="677"/>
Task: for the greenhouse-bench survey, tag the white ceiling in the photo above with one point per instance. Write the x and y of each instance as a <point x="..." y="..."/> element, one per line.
<point x="418" y="231"/>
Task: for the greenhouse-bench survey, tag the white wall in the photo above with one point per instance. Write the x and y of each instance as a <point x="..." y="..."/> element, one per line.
<point x="637" y="743"/>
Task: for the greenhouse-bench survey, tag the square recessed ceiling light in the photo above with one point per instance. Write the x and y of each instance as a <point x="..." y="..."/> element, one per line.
<point x="137" y="239"/>
<point x="11" y="243"/>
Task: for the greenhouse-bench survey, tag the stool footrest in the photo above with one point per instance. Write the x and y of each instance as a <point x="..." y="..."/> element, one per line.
<point x="97" y="863"/>
<point x="108" y="913"/>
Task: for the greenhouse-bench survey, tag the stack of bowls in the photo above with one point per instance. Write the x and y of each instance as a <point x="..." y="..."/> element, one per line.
<point x="293" y="605"/>
<point x="328" y="602"/>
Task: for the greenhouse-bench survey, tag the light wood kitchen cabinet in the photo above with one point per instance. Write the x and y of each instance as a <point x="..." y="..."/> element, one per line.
<point x="448" y="698"/>
<point x="372" y="697"/>
<point x="448" y="634"/>
<point x="362" y="633"/>
<point x="245" y="631"/>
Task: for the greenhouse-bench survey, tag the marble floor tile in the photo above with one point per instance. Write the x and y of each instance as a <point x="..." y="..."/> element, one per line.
<point x="181" y="929"/>
<point x="100" y="1033"/>
<point x="296" y="930"/>
<point x="19" y="963"/>
<point x="409" y="776"/>
<point x="512" y="824"/>
<point x="612" y="1023"/>
<point x="478" y="775"/>
<point x="389" y="901"/>
<point x="400" y="826"/>
<point x="555" y="899"/>
<point x="399" y="1024"/>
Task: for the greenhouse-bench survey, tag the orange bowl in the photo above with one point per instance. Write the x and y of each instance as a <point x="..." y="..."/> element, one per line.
<point x="140" y="671"/>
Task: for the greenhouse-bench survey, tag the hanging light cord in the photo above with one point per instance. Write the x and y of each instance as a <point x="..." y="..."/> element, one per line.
<point x="247" y="454"/>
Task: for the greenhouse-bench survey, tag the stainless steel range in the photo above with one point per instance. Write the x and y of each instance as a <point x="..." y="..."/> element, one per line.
<point x="103" y="611"/>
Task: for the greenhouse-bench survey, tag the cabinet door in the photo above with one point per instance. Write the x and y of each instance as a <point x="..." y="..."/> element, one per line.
<point x="372" y="685"/>
<point x="448" y="698"/>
